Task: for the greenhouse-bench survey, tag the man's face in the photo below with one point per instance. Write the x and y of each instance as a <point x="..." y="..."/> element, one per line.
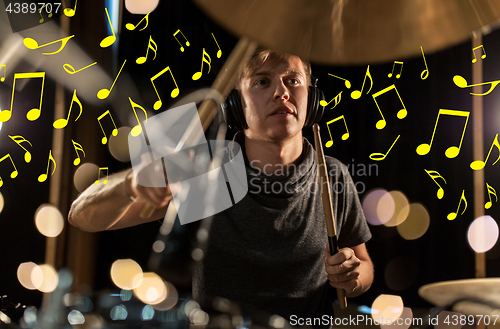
<point x="274" y="99"/>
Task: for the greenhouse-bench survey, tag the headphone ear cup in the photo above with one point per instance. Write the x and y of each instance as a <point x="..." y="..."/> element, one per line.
<point x="233" y="111"/>
<point x="314" y="108"/>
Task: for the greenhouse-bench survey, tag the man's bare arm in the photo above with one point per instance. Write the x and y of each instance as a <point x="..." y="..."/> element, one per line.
<point x="106" y="206"/>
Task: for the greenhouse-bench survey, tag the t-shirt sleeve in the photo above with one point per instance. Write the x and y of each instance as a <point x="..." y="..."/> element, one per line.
<point x="352" y="228"/>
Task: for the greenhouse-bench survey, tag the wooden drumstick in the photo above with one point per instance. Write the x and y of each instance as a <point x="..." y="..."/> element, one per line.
<point x="224" y="83"/>
<point x="327" y="205"/>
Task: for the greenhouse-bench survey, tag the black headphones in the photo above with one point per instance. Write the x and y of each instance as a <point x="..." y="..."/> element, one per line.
<point x="233" y="110"/>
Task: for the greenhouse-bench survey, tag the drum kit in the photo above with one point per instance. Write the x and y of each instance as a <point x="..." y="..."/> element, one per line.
<point x="329" y="32"/>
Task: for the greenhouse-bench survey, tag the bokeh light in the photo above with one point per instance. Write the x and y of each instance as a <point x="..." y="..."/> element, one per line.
<point x="147" y="313"/>
<point x="385" y="208"/>
<point x="404" y="322"/>
<point x="152" y="289"/>
<point x="401" y="209"/>
<point x="375" y="214"/>
<point x="416" y="224"/>
<point x="119" y="312"/>
<point x="118" y="145"/>
<point x="170" y="301"/>
<point x="85" y="176"/>
<point x="126" y="274"/>
<point x="2" y="202"/>
<point x="482" y="234"/>
<point x="400" y="273"/>
<point x="49" y="220"/>
<point x="387" y="307"/>
<point x="76" y="317"/>
<point x="50" y="278"/>
<point x="24" y="275"/>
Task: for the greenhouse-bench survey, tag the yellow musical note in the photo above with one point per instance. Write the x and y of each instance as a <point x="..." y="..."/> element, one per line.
<point x="347" y="82"/>
<point x="491" y="191"/>
<point x="132" y="27"/>
<point x="478" y="165"/>
<point x="19" y="139"/>
<point x="425" y="73"/>
<point x="401" y="113"/>
<point x="31" y="43"/>
<point x="356" y="94"/>
<point x="61" y="123"/>
<point x="14" y="172"/>
<point x="219" y="52"/>
<point x="392" y="72"/>
<point x="344" y="136"/>
<point x="434" y="175"/>
<point x="104" y="93"/>
<point x="43" y="177"/>
<point x="337" y="99"/>
<point x="187" y="42"/>
<point x="483" y="56"/>
<point x="137" y="129"/>
<point x="462" y="83"/>
<point x="452" y="151"/>
<point x="70" y="12"/>
<point x="104" y="140"/>
<point x="4" y="72"/>
<point x="173" y="94"/>
<point x="99" y="175"/>
<point x="151" y="45"/>
<point x="453" y="215"/>
<point x="77" y="147"/>
<point x="382" y="156"/>
<point x="40" y="13"/>
<point x="68" y="68"/>
<point x="110" y="39"/>
<point x="198" y="75"/>
<point x="32" y="114"/>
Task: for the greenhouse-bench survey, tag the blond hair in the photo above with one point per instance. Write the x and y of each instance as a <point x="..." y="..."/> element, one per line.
<point x="261" y="56"/>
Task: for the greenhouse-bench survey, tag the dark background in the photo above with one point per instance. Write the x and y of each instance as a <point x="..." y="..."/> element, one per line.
<point x="442" y="253"/>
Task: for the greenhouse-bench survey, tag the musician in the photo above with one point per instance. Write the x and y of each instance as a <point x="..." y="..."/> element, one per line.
<point x="269" y="250"/>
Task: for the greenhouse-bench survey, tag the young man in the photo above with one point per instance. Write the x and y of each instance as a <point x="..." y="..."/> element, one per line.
<point x="269" y="250"/>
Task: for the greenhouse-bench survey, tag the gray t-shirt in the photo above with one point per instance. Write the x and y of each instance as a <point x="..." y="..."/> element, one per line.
<point x="267" y="251"/>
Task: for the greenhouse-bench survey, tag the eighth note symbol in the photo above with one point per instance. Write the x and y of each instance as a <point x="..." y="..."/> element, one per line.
<point x="344" y="136"/>
<point x="478" y="165"/>
<point x="77" y="147"/>
<point x="399" y="74"/>
<point x="435" y="175"/>
<point x="43" y="177"/>
<point x="460" y="82"/>
<point x="483" y="56"/>
<point x="104" y="93"/>
<point x="61" y="123"/>
<point x="198" y="75"/>
<point x="337" y="99"/>
<point x="14" y="172"/>
<point x="19" y="139"/>
<point x="99" y="175"/>
<point x="453" y="215"/>
<point x="356" y="94"/>
<point x="187" y="42"/>
<point x="382" y="156"/>
<point x="104" y="140"/>
<point x="452" y="151"/>
<point x="491" y="191"/>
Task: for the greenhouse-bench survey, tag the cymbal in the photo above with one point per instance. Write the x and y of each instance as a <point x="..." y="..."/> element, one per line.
<point x="484" y="291"/>
<point x="354" y="31"/>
